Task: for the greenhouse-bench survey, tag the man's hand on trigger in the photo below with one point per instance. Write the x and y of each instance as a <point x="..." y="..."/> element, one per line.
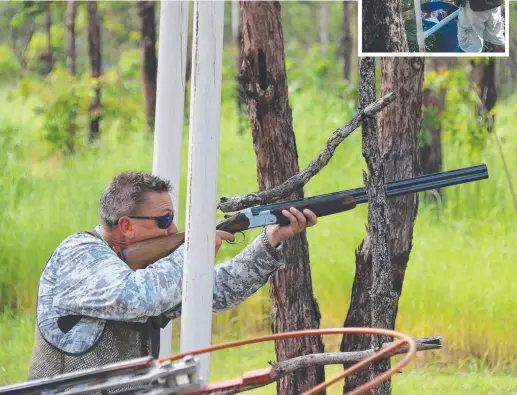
<point x="298" y="222"/>
<point x="221" y="235"/>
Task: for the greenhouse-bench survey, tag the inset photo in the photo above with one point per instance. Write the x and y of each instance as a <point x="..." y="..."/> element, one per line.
<point x="436" y="28"/>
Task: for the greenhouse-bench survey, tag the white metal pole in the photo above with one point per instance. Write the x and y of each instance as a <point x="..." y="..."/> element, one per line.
<point x="419" y="29"/>
<point x="170" y="105"/>
<point x="205" y="108"/>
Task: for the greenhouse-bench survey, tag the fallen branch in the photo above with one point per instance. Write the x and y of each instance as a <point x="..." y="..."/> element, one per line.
<point x="334" y="358"/>
<point x="299" y="180"/>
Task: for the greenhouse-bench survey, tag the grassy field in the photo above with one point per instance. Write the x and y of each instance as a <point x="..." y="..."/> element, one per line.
<point x="461" y="280"/>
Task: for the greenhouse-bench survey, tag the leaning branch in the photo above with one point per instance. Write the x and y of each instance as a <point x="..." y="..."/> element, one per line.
<point x="299" y="180"/>
<point x="289" y="366"/>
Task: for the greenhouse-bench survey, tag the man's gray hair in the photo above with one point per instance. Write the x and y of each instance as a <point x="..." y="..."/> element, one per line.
<point x="125" y="195"/>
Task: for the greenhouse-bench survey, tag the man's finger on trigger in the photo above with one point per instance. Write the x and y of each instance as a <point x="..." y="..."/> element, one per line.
<point x="226" y="235"/>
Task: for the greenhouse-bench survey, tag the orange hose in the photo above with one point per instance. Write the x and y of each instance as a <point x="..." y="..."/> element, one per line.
<point x="404" y="339"/>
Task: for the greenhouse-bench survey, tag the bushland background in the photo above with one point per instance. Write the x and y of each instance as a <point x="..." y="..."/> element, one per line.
<point x="462" y="276"/>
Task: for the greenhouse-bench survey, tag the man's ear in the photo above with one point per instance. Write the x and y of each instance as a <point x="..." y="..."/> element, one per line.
<point x="125" y="226"/>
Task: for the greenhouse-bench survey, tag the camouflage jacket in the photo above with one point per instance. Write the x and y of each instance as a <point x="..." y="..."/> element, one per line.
<point x="85" y="278"/>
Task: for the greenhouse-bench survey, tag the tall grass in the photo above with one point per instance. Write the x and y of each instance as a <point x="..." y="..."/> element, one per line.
<point x="462" y="274"/>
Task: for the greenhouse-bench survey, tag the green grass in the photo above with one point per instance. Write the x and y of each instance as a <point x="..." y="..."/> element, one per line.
<point x="460" y="282"/>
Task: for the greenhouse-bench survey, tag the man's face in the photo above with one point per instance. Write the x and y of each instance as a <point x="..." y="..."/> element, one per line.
<point x="157" y="204"/>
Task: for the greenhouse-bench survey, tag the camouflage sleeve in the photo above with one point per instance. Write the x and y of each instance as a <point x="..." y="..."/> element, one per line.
<point x="238" y="279"/>
<point x="241" y="277"/>
<point x="96" y="283"/>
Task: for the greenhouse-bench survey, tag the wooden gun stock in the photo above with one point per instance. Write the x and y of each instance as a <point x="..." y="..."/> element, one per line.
<point x="142" y="254"/>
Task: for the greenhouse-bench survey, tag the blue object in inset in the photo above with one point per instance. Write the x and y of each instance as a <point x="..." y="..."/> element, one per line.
<point x="446" y="36"/>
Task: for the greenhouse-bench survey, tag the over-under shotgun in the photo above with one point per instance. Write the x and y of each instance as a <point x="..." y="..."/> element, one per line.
<point x="142" y="254"/>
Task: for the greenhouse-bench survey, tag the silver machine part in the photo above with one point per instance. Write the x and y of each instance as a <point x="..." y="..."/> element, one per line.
<point x="263" y="218"/>
<point x="130" y="377"/>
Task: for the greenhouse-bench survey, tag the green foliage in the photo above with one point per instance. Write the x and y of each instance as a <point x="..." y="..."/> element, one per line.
<point x="65" y="103"/>
<point x="462" y="121"/>
<point x="130" y="65"/>
<point x="316" y="73"/>
<point x="64" y="100"/>
<point x="9" y="64"/>
<point x="29" y="9"/>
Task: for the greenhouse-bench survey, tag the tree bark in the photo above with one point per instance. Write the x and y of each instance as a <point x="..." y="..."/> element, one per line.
<point x="242" y="119"/>
<point x="71" y="61"/>
<point x="431" y="150"/>
<point x="265" y="83"/>
<point x="48" y="56"/>
<point x="146" y="10"/>
<point x="483" y="75"/>
<point x="431" y="142"/>
<point x="31" y="29"/>
<point x="94" y="49"/>
<point x="71" y="57"/>
<point x="374" y="294"/>
<point x="347" y="41"/>
<point x="383" y="26"/>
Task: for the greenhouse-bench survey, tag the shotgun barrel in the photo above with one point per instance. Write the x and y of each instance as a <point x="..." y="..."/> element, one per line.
<point x="337" y="202"/>
<point x="396" y="188"/>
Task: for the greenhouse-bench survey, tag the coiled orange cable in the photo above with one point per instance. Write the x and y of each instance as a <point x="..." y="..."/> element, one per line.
<point x="404" y="339"/>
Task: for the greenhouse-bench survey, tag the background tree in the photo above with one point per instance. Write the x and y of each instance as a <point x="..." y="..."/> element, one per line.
<point x="94" y="50"/>
<point x="71" y="57"/>
<point x="433" y="105"/>
<point x="347" y="38"/>
<point x="484" y="77"/>
<point x="263" y="75"/>
<point x="146" y="11"/>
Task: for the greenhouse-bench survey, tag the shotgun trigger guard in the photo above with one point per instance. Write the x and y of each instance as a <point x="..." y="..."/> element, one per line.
<point x="263" y="218"/>
<point x="239" y="242"/>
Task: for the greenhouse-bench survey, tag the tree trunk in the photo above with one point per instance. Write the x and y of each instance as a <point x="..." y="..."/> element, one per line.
<point x="71" y="61"/>
<point x="31" y="29"/>
<point x="242" y="121"/>
<point x="149" y="61"/>
<point x="383" y="26"/>
<point x="71" y="57"/>
<point x="431" y="139"/>
<point x="372" y="302"/>
<point x="264" y="80"/>
<point x="324" y="30"/>
<point x="347" y="40"/>
<point x="48" y="56"/>
<point x="94" y="46"/>
<point x="483" y="75"/>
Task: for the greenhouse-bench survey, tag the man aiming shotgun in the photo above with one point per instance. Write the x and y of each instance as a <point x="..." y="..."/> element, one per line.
<point x="104" y="294"/>
<point x="93" y="309"/>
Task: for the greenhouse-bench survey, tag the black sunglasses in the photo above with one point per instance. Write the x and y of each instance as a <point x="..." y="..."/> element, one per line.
<point x="163" y="221"/>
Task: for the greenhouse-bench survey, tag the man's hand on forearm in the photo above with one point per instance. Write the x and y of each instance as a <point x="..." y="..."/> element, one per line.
<point x="298" y="222"/>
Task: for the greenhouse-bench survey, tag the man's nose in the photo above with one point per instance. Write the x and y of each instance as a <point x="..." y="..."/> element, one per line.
<point x="172" y="229"/>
